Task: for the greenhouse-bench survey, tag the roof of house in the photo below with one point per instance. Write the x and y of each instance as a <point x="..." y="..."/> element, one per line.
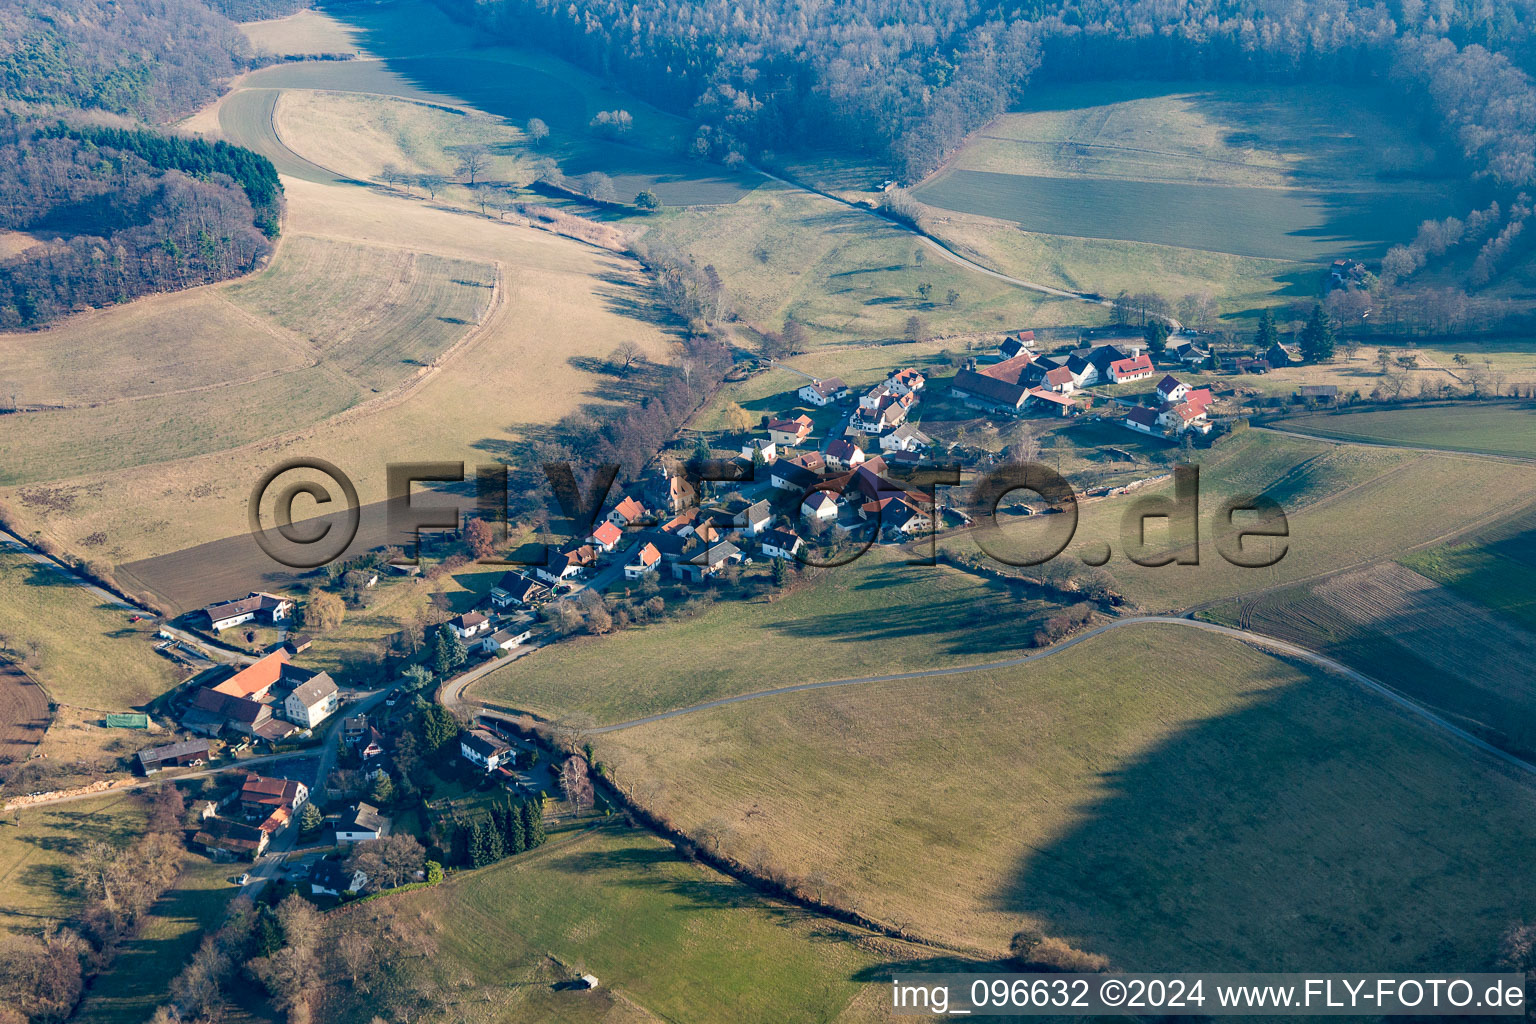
<point x="333" y="875"/>
<point x="468" y="620"/>
<point x="1187" y="411"/>
<point x="909" y="432"/>
<point x="1009" y="370"/>
<point x="259" y="789"/>
<point x="798" y="425"/>
<point x="818" y="500"/>
<point x="1143" y="416"/>
<point x="227" y="834"/>
<point x="182" y="748"/>
<point x="316" y="690"/>
<point x="520" y="587"/>
<point x="255" y="601"/>
<point x="782" y="539"/>
<point x="363" y="818"/>
<point x="1125" y="367"/>
<point x="629" y="508"/>
<point x="844" y="449"/>
<point x="909" y="377"/>
<point x="794" y="474"/>
<point x="757" y="512"/>
<point x="1105" y="355"/>
<point x="648" y="555"/>
<point x="256" y="677"/>
<point x="1055" y="397"/>
<point x="826" y="388"/>
<point x="483" y="743"/>
<point x="1199" y="396"/>
<point x="716" y="553"/>
<point x="1169" y="384"/>
<point x="580" y="555"/>
<point x="989" y="388"/>
<point x="608" y="534"/>
<point x="1060" y="375"/>
<point x="229" y="707"/>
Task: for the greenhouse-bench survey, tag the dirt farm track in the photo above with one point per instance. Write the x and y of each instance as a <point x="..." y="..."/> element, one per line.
<point x="23" y="713"/>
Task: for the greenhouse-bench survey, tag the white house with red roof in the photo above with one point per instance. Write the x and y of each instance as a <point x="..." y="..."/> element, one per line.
<point x="1137" y="368"/>
<point x="1061" y="380"/>
<point x="647" y="558"/>
<point x="606" y="537"/>
<point x="626" y="512"/>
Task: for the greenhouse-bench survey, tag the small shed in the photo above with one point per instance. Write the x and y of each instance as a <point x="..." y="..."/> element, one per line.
<point x="588" y="981"/>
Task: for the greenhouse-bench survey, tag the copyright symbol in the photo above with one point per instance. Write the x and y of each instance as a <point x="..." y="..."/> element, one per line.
<point x="313" y="542"/>
<point x="1112" y="992"/>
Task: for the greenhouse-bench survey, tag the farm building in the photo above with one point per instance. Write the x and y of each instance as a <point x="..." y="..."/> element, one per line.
<point x="224" y="839"/>
<point x="172" y="755"/>
<point x="254" y="607"/>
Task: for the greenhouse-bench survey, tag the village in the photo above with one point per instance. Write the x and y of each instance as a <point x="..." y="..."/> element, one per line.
<point x="318" y="782"/>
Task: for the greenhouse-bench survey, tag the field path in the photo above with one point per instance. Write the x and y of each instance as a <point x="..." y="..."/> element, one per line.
<point x="1269" y="643"/>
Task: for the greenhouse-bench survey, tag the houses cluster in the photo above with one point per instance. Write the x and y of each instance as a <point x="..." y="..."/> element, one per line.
<point x="852" y="489"/>
<point x="1023" y="379"/>
<point x="1179" y="410"/>
<point x="269" y="699"/>
<point x="260" y="809"/>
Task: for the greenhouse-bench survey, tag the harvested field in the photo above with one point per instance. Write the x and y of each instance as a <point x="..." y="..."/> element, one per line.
<point x="539" y="355"/>
<point x="1492" y="566"/>
<point x="378" y="314"/>
<point x="161" y="345"/>
<point x="24" y="713"/>
<point x="1418" y="637"/>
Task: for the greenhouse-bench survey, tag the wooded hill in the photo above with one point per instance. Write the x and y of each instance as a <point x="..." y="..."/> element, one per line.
<point x="907" y="82"/>
<point x="122" y="213"/>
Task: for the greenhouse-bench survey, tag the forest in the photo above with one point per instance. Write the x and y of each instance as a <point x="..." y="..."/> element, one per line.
<point x="152" y="59"/>
<point x="906" y="82"/>
<point x="113" y="225"/>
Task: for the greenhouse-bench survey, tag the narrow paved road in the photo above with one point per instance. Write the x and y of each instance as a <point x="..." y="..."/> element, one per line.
<point x="1279" y="646"/>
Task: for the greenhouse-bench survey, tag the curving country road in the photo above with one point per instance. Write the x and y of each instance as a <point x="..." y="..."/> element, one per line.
<point x="1258" y="640"/>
